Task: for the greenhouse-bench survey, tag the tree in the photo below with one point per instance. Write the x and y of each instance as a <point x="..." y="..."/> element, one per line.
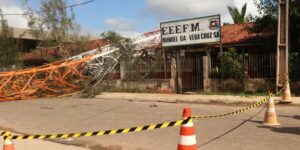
<point x="268" y="19"/>
<point x="238" y="16"/>
<point x="8" y="46"/>
<point x="232" y="63"/>
<point x="268" y="22"/>
<point x="126" y="48"/>
<point x="55" y="26"/>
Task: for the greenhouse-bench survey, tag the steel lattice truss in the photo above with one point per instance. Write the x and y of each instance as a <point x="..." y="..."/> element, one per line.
<point x="48" y="80"/>
<point x="66" y="76"/>
<point x="149" y="40"/>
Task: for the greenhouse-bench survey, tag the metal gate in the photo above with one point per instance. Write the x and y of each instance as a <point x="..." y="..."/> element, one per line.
<point x="192" y="72"/>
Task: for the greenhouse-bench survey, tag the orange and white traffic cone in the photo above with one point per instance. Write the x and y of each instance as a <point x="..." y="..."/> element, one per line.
<point x="187" y="133"/>
<point x="286" y="98"/>
<point x="8" y="145"/>
<point x="270" y="115"/>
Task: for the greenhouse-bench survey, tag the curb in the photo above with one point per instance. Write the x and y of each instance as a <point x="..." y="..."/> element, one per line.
<point x="189" y="99"/>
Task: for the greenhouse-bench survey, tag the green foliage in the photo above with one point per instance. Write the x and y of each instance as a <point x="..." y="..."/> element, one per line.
<point x="113" y="37"/>
<point x="126" y="48"/>
<point x="267" y="7"/>
<point x="138" y="64"/>
<point x="294" y="65"/>
<point x="268" y="19"/>
<point x="243" y="94"/>
<point x="295" y="27"/>
<point x="239" y="16"/>
<point x="268" y="23"/>
<point x="126" y="52"/>
<point x="232" y="66"/>
<point x="78" y="45"/>
<point x="8" y="46"/>
<point x="215" y="72"/>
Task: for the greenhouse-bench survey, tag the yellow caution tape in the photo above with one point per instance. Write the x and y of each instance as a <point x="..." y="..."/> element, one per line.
<point x="2" y="132"/>
<point x="233" y="112"/>
<point x="240" y="110"/>
<point x="99" y="133"/>
<point x="7" y="134"/>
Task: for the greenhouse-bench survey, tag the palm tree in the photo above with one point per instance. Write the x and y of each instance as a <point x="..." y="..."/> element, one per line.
<point x="238" y="17"/>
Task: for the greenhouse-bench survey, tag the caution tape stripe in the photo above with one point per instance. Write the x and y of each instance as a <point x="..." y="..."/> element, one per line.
<point x="234" y="112"/>
<point x="5" y="133"/>
<point x="2" y="133"/>
<point x="100" y="133"/>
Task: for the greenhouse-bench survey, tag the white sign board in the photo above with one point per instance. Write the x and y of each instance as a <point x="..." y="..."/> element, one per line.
<point x="191" y="31"/>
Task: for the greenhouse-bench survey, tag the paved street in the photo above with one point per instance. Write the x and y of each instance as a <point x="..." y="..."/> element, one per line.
<point x="63" y="115"/>
<point x="45" y="145"/>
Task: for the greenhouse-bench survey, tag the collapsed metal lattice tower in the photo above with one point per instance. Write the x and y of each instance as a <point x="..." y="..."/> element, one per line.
<point x="65" y="77"/>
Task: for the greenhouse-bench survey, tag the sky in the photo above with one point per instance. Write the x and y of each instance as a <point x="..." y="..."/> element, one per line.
<point x="132" y="17"/>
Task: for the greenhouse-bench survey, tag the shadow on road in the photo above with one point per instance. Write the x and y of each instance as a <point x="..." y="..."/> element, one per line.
<point x="285" y="116"/>
<point x="100" y="147"/>
<point x="256" y="121"/>
<point x="294" y="117"/>
<point x="231" y="130"/>
<point x="288" y="130"/>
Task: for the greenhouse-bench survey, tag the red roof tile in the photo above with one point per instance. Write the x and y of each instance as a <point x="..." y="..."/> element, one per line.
<point x="238" y="33"/>
<point x="44" y="53"/>
<point x="231" y="34"/>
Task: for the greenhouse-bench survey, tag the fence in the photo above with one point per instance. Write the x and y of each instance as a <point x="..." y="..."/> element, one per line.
<point x="261" y="65"/>
<point x="294" y="65"/>
<point x="142" y="71"/>
<point x="253" y="66"/>
<point x="192" y="73"/>
<point x="114" y="75"/>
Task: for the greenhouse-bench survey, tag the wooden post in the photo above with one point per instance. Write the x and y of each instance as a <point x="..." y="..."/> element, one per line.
<point x="244" y="74"/>
<point x="174" y="75"/>
<point x="208" y="61"/>
<point x="282" y="43"/>
<point x="206" y="83"/>
<point x="179" y="71"/>
<point x="165" y="63"/>
<point x="222" y="61"/>
<point x="221" y="53"/>
<point x="122" y="70"/>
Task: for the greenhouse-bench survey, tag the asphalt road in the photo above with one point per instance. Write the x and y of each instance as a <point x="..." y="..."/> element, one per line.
<point x="63" y="115"/>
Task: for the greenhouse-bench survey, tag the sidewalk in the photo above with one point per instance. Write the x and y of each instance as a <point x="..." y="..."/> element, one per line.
<point x="187" y="98"/>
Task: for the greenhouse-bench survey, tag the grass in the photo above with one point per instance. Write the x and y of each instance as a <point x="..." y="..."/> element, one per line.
<point x="129" y="90"/>
<point x="244" y="94"/>
<point x="136" y="90"/>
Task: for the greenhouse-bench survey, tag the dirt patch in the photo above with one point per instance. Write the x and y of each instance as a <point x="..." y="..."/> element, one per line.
<point x="100" y="147"/>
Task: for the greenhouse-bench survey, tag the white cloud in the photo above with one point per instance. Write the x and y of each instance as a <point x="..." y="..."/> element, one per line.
<point x="6" y="2"/>
<point x="8" y="7"/>
<point x="175" y="9"/>
<point x="85" y="30"/>
<point x="128" y="33"/>
<point x="121" y="26"/>
<point x="251" y="8"/>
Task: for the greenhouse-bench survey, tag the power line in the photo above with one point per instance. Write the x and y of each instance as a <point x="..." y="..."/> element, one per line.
<point x="39" y="12"/>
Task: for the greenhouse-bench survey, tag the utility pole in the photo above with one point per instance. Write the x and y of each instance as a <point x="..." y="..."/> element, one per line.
<point x="298" y="20"/>
<point x="283" y="45"/>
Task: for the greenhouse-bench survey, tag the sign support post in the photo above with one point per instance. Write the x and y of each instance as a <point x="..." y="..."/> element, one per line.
<point x="179" y="71"/>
